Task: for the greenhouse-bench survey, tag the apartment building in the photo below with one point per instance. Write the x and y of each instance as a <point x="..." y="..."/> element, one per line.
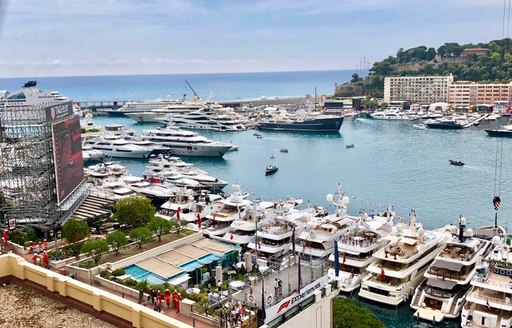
<point x="466" y="93"/>
<point x="417" y="89"/>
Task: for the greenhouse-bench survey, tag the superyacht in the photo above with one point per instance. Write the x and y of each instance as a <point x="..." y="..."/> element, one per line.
<point x="208" y="118"/>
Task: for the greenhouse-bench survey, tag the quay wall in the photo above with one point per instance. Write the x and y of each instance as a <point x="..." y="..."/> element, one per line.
<point x="102" y="304"/>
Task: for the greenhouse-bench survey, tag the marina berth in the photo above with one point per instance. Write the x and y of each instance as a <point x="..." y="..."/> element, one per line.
<point x="185" y="143"/>
<point x="400" y="265"/>
<point x="488" y="301"/>
<point x="441" y="295"/>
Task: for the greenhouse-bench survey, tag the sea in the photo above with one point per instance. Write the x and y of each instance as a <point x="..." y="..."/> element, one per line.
<point x="391" y="163"/>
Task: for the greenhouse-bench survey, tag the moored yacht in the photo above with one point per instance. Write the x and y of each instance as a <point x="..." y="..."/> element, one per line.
<point x="392" y="115"/>
<point x="225" y="213"/>
<point x="441" y="295"/>
<point x="207" y="118"/>
<point x="114" y="146"/>
<point x="488" y="301"/>
<point x="157" y="115"/>
<point x="356" y="249"/>
<point x="401" y="263"/>
<point x="186" y="143"/>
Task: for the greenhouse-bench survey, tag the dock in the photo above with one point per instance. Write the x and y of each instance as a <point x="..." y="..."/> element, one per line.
<point x="475" y="121"/>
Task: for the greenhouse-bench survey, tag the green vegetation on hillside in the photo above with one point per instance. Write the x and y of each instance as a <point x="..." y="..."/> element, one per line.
<point x="346" y="313"/>
<point x="495" y="66"/>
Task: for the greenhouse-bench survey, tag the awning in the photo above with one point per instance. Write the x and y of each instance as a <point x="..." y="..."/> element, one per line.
<point x="452" y="266"/>
<point x="443" y="284"/>
<point x="409" y="241"/>
<point x="190" y="267"/>
<point x="208" y="259"/>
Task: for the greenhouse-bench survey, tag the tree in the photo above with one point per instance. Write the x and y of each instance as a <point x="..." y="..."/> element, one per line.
<point x="135" y="211"/>
<point x="159" y="226"/>
<point x="355" y="78"/>
<point x="346" y="313"/>
<point x="74" y="230"/>
<point x="95" y="248"/>
<point x="141" y="235"/>
<point x="116" y="240"/>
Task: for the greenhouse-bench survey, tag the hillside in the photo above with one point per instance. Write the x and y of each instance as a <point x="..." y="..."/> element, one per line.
<point x="468" y="62"/>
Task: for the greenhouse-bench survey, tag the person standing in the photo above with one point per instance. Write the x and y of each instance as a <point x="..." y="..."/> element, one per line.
<point x="34" y="258"/>
<point x="167" y="296"/>
<point x="141" y="295"/>
<point x="45" y="259"/>
<point x="45" y="244"/>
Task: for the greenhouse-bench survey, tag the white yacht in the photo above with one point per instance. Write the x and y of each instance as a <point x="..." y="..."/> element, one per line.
<point x="441" y="295"/>
<point x="91" y="154"/>
<point x="157" y="114"/>
<point x="155" y="191"/>
<point x="207" y="118"/>
<point x="356" y="249"/>
<point x="488" y="303"/>
<point x="111" y="189"/>
<point x="392" y="115"/>
<point x="400" y="265"/>
<point x="317" y="240"/>
<point x="146" y="105"/>
<point x="226" y="211"/>
<point x="188" y="203"/>
<point x="243" y="229"/>
<point x="186" y="143"/>
<point x="114" y="146"/>
<point x="105" y="170"/>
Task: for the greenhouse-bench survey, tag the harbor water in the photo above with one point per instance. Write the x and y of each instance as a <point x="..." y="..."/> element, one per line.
<point x="391" y="163"/>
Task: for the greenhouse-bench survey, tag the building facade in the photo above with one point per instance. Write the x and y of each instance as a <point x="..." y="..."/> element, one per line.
<point x="417" y="89"/>
<point x="465" y="93"/>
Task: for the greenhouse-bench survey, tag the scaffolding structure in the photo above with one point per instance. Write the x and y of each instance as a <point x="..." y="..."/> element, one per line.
<point x="28" y="190"/>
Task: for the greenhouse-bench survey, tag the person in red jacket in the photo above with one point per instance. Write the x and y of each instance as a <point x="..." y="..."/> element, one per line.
<point x="34" y="259"/>
<point x="167" y="296"/>
<point x="45" y="259"/>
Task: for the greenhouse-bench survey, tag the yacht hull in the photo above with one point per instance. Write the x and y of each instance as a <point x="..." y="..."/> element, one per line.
<point x="315" y="125"/>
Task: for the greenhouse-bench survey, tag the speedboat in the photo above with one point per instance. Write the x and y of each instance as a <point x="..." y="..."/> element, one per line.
<point x="456" y="163"/>
<point x="350" y="146"/>
<point x="271" y="169"/>
<point x="419" y="126"/>
<point x="283" y="150"/>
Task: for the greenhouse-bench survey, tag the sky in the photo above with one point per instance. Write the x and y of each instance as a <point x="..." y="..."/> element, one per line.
<point x="123" y="37"/>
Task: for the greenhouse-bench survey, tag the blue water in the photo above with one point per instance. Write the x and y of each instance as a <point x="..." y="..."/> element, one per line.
<point x="140" y="274"/>
<point x="227" y="86"/>
<point x="391" y="163"/>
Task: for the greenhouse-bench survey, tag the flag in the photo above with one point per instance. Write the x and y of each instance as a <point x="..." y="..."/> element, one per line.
<point x="213" y="218"/>
<point x="496" y="201"/>
<point x="344" y="257"/>
<point x="336" y="259"/>
<point x="382" y="274"/>
<point x="488" y="305"/>
<point x="261" y="313"/>
<point x="178" y="211"/>
<point x="303" y="247"/>
<point x="231" y="237"/>
<point x="198" y="220"/>
<point x="293" y="240"/>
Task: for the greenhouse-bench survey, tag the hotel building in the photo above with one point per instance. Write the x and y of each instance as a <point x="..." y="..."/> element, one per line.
<point x="466" y="93"/>
<point x="417" y="89"/>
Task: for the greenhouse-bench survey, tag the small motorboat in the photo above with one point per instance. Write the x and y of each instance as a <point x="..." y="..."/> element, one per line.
<point x="283" y="150"/>
<point x="350" y="146"/>
<point x="457" y="163"/>
<point x="257" y="135"/>
<point x="419" y="126"/>
<point x="272" y="156"/>
<point x="271" y="169"/>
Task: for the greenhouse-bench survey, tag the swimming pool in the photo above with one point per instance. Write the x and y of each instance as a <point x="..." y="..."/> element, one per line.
<point x="139" y="274"/>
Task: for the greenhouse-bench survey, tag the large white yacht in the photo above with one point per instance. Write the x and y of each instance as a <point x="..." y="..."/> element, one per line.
<point x="186" y="143"/>
<point x="243" y="229"/>
<point x="441" y="295"/>
<point x="226" y="211"/>
<point x="157" y="114"/>
<point x="488" y="303"/>
<point x="157" y="192"/>
<point x="317" y="240"/>
<point x="146" y="105"/>
<point x="91" y="154"/>
<point x="356" y="249"/>
<point x="208" y="118"/>
<point x="401" y="263"/>
<point x="114" y="146"/>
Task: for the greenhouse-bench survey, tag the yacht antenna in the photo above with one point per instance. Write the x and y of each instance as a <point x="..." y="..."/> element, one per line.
<point x="195" y="93"/>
